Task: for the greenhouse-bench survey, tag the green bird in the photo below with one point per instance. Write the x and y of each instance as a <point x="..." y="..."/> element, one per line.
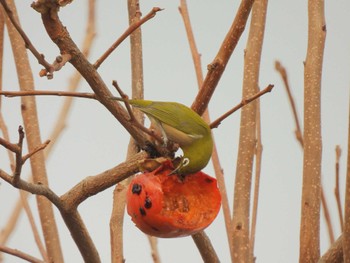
<point x="180" y="124"/>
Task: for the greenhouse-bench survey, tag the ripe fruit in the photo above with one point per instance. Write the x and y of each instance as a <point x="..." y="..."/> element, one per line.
<point x="166" y="205"/>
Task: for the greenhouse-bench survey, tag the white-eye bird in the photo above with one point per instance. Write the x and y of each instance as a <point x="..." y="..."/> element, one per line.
<point x="181" y="125"/>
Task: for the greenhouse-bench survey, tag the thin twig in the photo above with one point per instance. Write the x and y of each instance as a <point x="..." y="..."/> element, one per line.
<point x="17" y="149"/>
<point x="12" y="147"/>
<point x="59" y="62"/>
<point x="5" y="140"/>
<point x="37" y="149"/>
<point x="192" y="42"/>
<point x="19" y="161"/>
<point x="40" y="57"/>
<point x="132" y="119"/>
<point x="244" y="102"/>
<point x="336" y="189"/>
<point x="327" y="217"/>
<point x="85" y="95"/>
<point x="33" y="225"/>
<point x="284" y="76"/>
<point x="131" y="29"/>
<point x="258" y="161"/>
<point x="16" y="169"/>
<point x="20" y="254"/>
<point x="125" y="99"/>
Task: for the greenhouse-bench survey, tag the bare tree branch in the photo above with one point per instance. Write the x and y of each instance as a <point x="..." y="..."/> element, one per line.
<point x="37" y="189"/>
<point x="60" y="124"/>
<point x="284" y="76"/>
<point x="119" y="194"/>
<point x="299" y="137"/>
<point x="327" y="217"/>
<point x="33" y="226"/>
<point x="217" y="67"/>
<point x="31" y="125"/>
<point x="20" y="254"/>
<point x="127" y="33"/>
<point x="94" y="184"/>
<point x="258" y="162"/>
<point x="59" y="35"/>
<point x="334" y="253"/>
<point x="40" y="57"/>
<point x="244" y="102"/>
<point x="311" y="192"/>
<point x="205" y="247"/>
<point x="336" y="188"/>
<point x="247" y="136"/>
<point x="84" y="95"/>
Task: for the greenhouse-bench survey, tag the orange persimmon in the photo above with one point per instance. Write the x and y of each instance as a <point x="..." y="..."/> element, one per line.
<point x="162" y="204"/>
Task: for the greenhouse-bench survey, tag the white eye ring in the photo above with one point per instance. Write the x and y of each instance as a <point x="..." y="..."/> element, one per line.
<point x="185" y="162"/>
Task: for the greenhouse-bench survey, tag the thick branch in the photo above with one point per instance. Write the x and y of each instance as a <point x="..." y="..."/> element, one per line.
<point x="311" y="192"/>
<point x="247" y="136"/>
<point x="95" y="184"/>
<point x="334" y="253"/>
<point x="205" y="247"/>
<point x="37" y="189"/>
<point x="217" y="67"/>
<point x="80" y="235"/>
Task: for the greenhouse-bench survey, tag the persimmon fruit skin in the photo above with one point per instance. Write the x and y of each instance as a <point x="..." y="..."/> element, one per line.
<point x="165" y="205"/>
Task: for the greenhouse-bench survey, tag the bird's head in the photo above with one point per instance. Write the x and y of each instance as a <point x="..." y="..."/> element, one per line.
<point x="195" y="157"/>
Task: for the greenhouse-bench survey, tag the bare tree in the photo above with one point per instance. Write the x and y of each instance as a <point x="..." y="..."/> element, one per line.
<point x="241" y="218"/>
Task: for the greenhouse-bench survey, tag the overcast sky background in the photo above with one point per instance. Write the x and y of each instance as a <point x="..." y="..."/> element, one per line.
<point x="94" y="141"/>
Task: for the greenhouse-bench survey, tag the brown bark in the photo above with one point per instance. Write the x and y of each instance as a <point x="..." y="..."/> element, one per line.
<point x="217" y="67"/>
<point x="311" y="192"/>
<point x="31" y="124"/>
<point x="247" y="139"/>
<point x="346" y="233"/>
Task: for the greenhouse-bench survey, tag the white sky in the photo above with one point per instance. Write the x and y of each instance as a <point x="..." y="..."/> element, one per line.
<point x="94" y="141"/>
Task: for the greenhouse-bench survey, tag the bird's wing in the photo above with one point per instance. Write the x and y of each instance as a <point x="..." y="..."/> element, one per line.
<point x="175" y="115"/>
